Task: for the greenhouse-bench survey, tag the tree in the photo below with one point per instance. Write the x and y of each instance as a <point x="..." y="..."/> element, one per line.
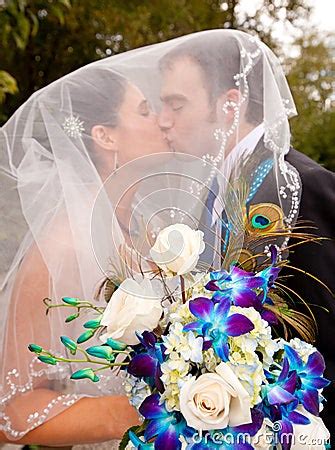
<point x="311" y="77"/>
<point x="68" y="39"/>
<point x="19" y="25"/>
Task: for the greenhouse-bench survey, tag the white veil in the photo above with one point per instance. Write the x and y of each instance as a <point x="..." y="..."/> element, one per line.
<point x="51" y="173"/>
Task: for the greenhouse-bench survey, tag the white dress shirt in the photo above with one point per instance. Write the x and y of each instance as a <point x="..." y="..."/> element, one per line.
<point x="242" y="149"/>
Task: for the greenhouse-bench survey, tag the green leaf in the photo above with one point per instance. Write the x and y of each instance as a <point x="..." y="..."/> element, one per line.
<point x="71" y="301"/>
<point x="35" y="348"/>
<point x="116" y="345"/>
<point x="35" y="24"/>
<point x="71" y="317"/>
<point x="85" y="373"/>
<point x="101" y="351"/>
<point x="58" y="13"/>
<point x="69" y="343"/>
<point x="66" y="3"/>
<point x="92" y="324"/>
<point x="85" y="336"/>
<point x="48" y="360"/>
<point x="24" y="27"/>
<point x="8" y="85"/>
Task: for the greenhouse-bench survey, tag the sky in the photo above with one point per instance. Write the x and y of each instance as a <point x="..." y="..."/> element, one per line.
<point x="322" y="18"/>
<point x="324" y="14"/>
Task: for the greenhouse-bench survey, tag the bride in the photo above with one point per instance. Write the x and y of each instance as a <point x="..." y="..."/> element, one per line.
<point x="57" y="150"/>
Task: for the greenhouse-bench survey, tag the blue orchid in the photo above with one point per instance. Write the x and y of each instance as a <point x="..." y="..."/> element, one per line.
<point x="234" y="285"/>
<point x="269" y="276"/>
<point x="270" y="273"/>
<point x="298" y="382"/>
<point x="310" y="378"/>
<point x="259" y="302"/>
<point x="164" y="426"/>
<point x="280" y="401"/>
<point x="138" y="443"/>
<point x="147" y="362"/>
<point x="281" y="389"/>
<point x="216" y="325"/>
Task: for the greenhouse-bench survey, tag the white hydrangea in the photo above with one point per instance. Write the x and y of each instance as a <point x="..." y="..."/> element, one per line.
<point x="181" y="349"/>
<point x="251" y="376"/>
<point x="195" y="285"/>
<point x="304" y="349"/>
<point x="259" y="339"/>
<point x="180" y="312"/>
<point x="175" y="371"/>
<point x="186" y="344"/>
<point x="136" y="390"/>
<point x="211" y="360"/>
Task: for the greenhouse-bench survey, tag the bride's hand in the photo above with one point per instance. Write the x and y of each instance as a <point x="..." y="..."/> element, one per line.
<point x="122" y="416"/>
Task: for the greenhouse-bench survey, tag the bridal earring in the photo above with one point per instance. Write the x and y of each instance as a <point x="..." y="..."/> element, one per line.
<point x="116" y="165"/>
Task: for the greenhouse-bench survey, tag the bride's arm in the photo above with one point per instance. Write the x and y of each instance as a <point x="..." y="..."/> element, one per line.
<point x="87" y="421"/>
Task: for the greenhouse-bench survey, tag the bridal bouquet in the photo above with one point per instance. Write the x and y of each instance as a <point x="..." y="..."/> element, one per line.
<point x="203" y="364"/>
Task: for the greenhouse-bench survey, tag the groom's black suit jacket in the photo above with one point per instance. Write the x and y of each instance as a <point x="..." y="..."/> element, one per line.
<point x="318" y="207"/>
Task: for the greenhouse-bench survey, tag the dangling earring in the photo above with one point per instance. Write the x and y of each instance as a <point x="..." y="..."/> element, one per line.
<point x="116" y="165"/>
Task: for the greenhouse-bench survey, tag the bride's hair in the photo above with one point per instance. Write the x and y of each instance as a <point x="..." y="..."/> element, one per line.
<point x="97" y="96"/>
<point x="93" y="96"/>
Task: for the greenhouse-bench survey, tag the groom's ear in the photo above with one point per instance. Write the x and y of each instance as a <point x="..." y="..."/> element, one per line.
<point x="105" y="137"/>
<point x="226" y="104"/>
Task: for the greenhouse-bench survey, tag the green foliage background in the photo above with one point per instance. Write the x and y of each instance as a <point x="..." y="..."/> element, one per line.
<point x="41" y="40"/>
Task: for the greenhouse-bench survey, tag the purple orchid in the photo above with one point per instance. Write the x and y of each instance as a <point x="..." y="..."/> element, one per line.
<point x="215" y="324"/>
<point x="298" y="382"/>
<point x="164" y="426"/>
<point x="269" y="276"/>
<point x="236" y="285"/>
<point x="146" y="363"/>
<point x="310" y="378"/>
<point x="258" y="303"/>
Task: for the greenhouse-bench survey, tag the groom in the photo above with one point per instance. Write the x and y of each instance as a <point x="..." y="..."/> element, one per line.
<point x="191" y="108"/>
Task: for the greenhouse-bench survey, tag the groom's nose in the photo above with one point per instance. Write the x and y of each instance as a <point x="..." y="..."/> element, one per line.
<point x="165" y="120"/>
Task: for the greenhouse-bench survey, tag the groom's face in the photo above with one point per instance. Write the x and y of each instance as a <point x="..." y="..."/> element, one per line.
<point x="187" y="117"/>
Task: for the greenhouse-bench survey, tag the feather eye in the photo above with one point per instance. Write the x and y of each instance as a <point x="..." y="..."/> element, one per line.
<point x="264" y="218"/>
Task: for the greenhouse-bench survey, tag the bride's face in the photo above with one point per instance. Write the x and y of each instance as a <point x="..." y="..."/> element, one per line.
<point x="137" y="133"/>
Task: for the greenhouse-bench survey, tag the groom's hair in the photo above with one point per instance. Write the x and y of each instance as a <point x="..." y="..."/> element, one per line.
<point x="219" y="60"/>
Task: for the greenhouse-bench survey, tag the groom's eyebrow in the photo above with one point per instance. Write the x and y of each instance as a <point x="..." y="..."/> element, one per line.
<point x="171" y="97"/>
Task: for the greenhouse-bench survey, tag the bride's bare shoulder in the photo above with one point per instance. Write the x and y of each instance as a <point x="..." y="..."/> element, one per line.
<point x="54" y="244"/>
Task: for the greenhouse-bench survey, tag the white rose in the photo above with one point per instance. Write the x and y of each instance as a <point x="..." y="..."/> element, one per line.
<point x="133" y="307"/>
<point x="313" y="436"/>
<point x="177" y="249"/>
<point x="215" y="400"/>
